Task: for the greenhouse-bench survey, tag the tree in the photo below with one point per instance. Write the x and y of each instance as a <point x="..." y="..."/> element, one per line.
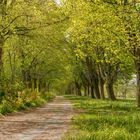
<point x="128" y="12"/>
<point x="98" y="35"/>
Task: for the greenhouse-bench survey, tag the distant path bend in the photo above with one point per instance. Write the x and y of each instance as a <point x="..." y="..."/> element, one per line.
<point x="49" y="122"/>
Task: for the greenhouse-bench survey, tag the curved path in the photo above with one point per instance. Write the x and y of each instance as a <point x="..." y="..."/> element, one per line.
<point x="49" y="122"/>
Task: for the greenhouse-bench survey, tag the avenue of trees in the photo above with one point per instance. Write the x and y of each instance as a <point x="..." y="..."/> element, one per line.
<point x="76" y="46"/>
<point x="105" y="39"/>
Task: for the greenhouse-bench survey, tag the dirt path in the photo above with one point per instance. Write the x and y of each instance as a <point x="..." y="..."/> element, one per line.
<point x="49" y="122"/>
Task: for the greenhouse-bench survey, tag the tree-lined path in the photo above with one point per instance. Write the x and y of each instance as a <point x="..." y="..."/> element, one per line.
<point x="49" y="122"/>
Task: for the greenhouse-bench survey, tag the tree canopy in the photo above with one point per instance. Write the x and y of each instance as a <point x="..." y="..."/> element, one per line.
<point x="71" y="46"/>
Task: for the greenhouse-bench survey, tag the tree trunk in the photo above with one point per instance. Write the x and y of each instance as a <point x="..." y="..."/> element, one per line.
<point x="33" y="84"/>
<point x="78" y="89"/>
<point x="92" y="92"/>
<point x="88" y="90"/>
<point x="48" y="86"/>
<point x="85" y="90"/>
<point x="102" y="89"/>
<point x="96" y="88"/>
<point x="37" y="85"/>
<point x="110" y="91"/>
<point x="79" y="92"/>
<point x="1" y="53"/>
<point x="138" y="81"/>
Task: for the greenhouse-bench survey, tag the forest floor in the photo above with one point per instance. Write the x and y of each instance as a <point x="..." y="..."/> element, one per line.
<point x="49" y="122"/>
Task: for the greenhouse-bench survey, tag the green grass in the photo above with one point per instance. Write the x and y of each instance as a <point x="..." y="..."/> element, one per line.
<point x="105" y="120"/>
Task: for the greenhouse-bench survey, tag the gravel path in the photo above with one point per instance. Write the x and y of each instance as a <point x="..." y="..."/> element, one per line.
<point x="49" y="122"/>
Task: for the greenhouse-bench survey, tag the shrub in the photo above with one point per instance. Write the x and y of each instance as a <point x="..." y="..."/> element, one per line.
<point x="48" y="95"/>
<point x="6" y="107"/>
<point x="23" y="100"/>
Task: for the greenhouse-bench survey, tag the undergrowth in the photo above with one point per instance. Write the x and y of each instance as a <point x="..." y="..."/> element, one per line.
<point x="23" y="100"/>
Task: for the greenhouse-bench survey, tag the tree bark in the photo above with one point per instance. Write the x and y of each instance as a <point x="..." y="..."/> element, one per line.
<point x="88" y="90"/>
<point x="92" y="92"/>
<point x="102" y="89"/>
<point x="110" y="90"/>
<point x="137" y="63"/>
<point x="85" y="91"/>
<point x="96" y="88"/>
<point x="1" y="52"/>
<point x="78" y="89"/>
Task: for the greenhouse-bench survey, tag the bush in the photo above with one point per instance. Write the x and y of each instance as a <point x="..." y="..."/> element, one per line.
<point x="48" y="95"/>
<point x="23" y="100"/>
<point x="6" y="107"/>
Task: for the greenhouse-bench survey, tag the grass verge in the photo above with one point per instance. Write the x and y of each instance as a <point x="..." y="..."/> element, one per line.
<point x="104" y="120"/>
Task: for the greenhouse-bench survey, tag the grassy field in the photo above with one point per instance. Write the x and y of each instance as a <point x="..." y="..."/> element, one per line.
<point x="104" y="120"/>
